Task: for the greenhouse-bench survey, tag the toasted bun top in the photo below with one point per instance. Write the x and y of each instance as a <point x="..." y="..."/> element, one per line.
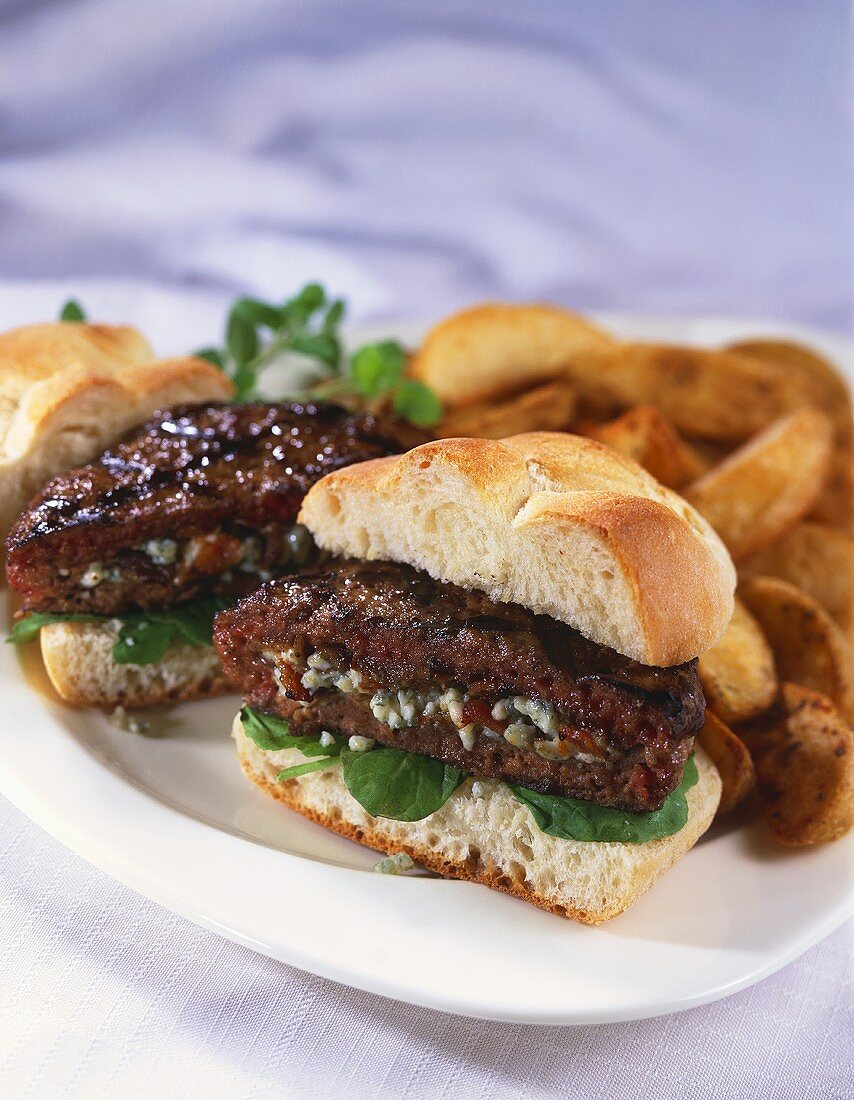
<point x="559" y="523"/>
<point x="69" y="390"/>
<point x="47" y="369"/>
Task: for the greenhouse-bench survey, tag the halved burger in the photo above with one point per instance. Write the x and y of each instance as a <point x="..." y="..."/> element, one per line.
<point x="496" y="673"/>
<point x="122" y="564"/>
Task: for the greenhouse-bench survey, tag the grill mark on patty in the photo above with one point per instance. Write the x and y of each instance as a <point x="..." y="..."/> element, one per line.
<point x="188" y="471"/>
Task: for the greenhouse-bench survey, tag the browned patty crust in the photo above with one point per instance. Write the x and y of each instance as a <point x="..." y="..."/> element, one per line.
<point x="633" y="724"/>
<point x="215" y="472"/>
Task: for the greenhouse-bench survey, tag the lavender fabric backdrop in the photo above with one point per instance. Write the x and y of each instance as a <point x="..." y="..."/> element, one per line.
<point x="660" y="157"/>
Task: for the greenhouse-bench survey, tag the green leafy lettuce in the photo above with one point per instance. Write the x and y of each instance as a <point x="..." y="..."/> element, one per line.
<point x="406" y="786"/>
<point x="144" y="637"/>
<point x="386" y="782"/>
<point x="401" y="785"/>
<point x="576" y="819"/>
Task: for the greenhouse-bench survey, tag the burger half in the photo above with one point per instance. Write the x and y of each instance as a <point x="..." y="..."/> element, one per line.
<point x="497" y="675"/>
<point x="121" y="564"/>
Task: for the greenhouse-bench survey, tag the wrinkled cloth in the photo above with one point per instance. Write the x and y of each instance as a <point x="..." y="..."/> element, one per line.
<point x="156" y="159"/>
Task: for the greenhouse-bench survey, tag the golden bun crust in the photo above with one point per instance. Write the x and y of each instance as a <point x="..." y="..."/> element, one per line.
<point x="78" y="658"/>
<point x="557" y="522"/>
<point x="493" y="840"/>
<point x="494" y="348"/>
<point x="67" y="391"/>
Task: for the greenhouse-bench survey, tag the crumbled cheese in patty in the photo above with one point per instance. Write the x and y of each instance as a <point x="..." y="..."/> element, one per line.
<point x="532" y="724"/>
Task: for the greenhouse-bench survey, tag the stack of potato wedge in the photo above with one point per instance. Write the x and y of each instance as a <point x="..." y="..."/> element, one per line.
<point x="758" y="437"/>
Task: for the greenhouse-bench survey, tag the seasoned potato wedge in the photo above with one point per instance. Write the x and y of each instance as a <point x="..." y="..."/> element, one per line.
<point x="731" y="757"/>
<point x="817" y="558"/>
<point x="835" y="503"/>
<point x="738" y="675"/>
<point x="716" y="395"/>
<point x="826" y="386"/>
<point x="550" y="407"/>
<point x="494" y="348"/>
<point x="805" y="769"/>
<point x="762" y="489"/>
<point x="647" y="436"/>
<point x="809" y="648"/>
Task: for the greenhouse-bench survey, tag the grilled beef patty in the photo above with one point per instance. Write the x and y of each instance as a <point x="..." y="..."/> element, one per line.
<point x="197" y="500"/>
<point x="384" y="651"/>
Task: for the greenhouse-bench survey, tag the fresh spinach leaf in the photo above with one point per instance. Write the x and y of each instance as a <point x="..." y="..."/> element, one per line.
<point x="144" y="637"/>
<point x="142" y="641"/>
<point x="404" y="786"/>
<point x="27" y="629"/>
<point x="386" y="782"/>
<point x="303" y="769"/>
<point x="271" y="733"/>
<point x="577" y="819"/>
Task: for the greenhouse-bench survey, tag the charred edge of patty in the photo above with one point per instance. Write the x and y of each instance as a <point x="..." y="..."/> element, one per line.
<point x="254" y="460"/>
<point x="163" y="571"/>
<point x="516" y="738"/>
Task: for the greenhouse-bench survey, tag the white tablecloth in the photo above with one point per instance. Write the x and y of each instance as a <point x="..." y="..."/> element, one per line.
<point x="157" y="157"/>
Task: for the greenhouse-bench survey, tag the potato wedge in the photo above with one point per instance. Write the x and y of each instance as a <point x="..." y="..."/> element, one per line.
<point x="809" y="648"/>
<point x="716" y="395"/>
<point x="647" y="436"/>
<point x="817" y="558"/>
<point x="738" y="675"/>
<point x="550" y="407"/>
<point x="835" y="503"/>
<point x="827" y="388"/>
<point x="494" y="349"/>
<point x="805" y="769"/>
<point x="762" y="489"/>
<point x="731" y="757"/>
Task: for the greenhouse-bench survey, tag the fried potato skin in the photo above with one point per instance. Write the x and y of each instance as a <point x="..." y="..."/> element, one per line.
<point x="549" y="407"/>
<point x="817" y="558"/>
<point x="825" y="385"/>
<point x="809" y="648"/>
<point x="646" y="435"/>
<point x="738" y="674"/>
<point x="496" y="348"/>
<point x="804" y="759"/>
<point x="716" y="395"/>
<point x="764" y="487"/>
<point x="732" y="758"/>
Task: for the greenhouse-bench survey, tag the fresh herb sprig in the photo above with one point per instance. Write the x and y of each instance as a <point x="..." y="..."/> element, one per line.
<point x="72" y="311"/>
<point x="259" y="333"/>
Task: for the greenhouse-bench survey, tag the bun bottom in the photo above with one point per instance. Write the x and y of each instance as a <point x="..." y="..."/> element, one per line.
<point x="493" y="840"/>
<point x="78" y="658"/>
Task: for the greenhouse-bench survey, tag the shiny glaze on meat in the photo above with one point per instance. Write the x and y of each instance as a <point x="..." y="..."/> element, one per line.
<point x="188" y="471"/>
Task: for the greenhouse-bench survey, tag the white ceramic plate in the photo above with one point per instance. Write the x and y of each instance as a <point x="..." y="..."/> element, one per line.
<point x="171" y="815"/>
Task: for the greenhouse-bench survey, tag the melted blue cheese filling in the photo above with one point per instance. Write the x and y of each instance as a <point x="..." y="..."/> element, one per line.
<point x="185" y="551"/>
<point x="530" y="723"/>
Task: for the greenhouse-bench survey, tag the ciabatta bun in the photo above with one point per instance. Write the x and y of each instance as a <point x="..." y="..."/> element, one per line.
<point x="559" y="523"/>
<point x="493" y="840"/>
<point x="78" y="658"/>
<point x="67" y="391"/>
